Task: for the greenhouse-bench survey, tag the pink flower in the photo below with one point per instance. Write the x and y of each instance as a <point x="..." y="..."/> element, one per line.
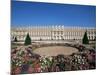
<point x="30" y="70"/>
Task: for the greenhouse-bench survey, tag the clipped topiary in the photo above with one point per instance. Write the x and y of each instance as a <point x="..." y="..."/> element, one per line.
<point x="15" y="40"/>
<point x="27" y="40"/>
<point x="85" y="39"/>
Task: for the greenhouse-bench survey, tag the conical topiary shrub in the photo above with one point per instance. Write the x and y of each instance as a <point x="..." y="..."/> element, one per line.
<point x="27" y="40"/>
<point x="85" y="39"/>
<point x="15" y="39"/>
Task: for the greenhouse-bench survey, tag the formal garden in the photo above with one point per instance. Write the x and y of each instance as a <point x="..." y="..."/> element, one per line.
<point x="25" y="61"/>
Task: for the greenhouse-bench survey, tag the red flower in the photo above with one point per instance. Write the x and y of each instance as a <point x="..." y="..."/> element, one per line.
<point x="37" y="68"/>
<point x="17" y="70"/>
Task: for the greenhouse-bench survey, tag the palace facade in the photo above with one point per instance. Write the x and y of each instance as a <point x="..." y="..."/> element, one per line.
<point x="58" y="32"/>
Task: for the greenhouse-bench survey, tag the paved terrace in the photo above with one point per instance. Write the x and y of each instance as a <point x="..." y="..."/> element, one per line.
<point x="52" y="41"/>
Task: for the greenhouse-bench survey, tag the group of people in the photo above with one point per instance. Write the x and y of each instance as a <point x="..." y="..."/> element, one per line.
<point x="24" y="61"/>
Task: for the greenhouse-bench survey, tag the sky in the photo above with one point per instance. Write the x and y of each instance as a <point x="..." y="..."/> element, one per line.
<point x="40" y="13"/>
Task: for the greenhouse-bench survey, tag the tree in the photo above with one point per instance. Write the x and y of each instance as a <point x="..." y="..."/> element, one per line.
<point x="85" y="39"/>
<point x="95" y="38"/>
<point x="15" y="39"/>
<point x="27" y="40"/>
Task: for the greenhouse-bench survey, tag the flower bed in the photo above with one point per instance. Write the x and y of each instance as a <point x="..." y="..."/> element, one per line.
<point x="24" y="61"/>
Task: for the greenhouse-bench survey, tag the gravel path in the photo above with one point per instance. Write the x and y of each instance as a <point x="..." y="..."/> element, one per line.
<point x="55" y="50"/>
